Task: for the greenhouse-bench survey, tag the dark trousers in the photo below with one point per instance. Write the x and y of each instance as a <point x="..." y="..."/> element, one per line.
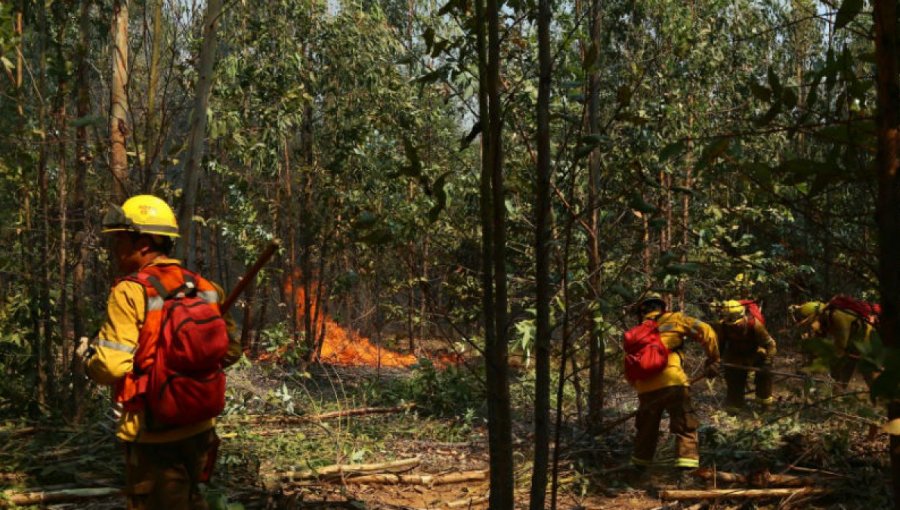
<point x="736" y="380"/>
<point x="683" y="423"/>
<point x="164" y="476"/>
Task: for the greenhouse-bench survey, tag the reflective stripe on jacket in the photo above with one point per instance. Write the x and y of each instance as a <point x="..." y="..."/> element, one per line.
<point x="674" y="328"/>
<point x="128" y="338"/>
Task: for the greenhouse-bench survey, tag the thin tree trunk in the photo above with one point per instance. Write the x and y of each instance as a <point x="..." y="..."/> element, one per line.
<point x="888" y="212"/>
<point x="542" y="264"/>
<point x="496" y="352"/>
<point x="42" y="330"/>
<point x="118" y="118"/>
<point x="20" y="56"/>
<point x="197" y="134"/>
<point x="62" y="192"/>
<point x="152" y="138"/>
<point x="596" y="353"/>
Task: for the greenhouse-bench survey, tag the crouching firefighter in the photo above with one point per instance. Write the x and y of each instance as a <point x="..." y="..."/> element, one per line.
<point x="654" y="366"/>
<point x="162" y="348"/>
<point x="843" y="321"/>
<point x="745" y="342"/>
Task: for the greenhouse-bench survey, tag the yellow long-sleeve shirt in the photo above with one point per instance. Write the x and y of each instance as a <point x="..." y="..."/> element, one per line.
<point x="841" y="327"/>
<point x="674" y="328"/>
<point x="114" y="350"/>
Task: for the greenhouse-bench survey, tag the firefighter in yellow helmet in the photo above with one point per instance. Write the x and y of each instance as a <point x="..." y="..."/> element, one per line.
<point x="162" y="466"/>
<point x="745" y="342"/>
<point x="669" y="390"/>
<point x="842" y="328"/>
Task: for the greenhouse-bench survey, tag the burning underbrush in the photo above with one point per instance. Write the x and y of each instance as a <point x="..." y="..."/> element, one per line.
<point x="341" y="346"/>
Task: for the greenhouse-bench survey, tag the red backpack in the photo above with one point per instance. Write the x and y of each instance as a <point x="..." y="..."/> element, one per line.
<point x="752" y="308"/>
<point x="645" y="353"/>
<point x="185" y="383"/>
<point x="869" y="312"/>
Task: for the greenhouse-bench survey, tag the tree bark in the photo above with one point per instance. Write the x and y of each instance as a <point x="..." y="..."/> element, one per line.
<point x="197" y="135"/>
<point x="888" y="206"/>
<point x="79" y="206"/>
<point x="118" y="118"/>
<point x="497" y="351"/>
<point x="596" y="353"/>
<point x="152" y="138"/>
<point x="542" y="263"/>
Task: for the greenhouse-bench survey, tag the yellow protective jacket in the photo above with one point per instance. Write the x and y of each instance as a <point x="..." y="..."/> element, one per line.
<point x="114" y="350"/>
<point x="674" y="328"/>
<point x="742" y="340"/>
<point x="841" y="327"/>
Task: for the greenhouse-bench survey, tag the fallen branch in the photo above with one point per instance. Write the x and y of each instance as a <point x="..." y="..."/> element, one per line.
<point x="429" y="480"/>
<point x="63" y="496"/>
<point x="347" y="470"/>
<point x="758" y="479"/>
<point x="678" y="495"/>
<point x="362" y="411"/>
<point x="467" y="502"/>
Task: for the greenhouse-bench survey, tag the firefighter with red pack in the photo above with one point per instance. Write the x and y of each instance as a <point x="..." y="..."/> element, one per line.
<point x="745" y="342"/>
<point x="844" y="322"/>
<point x="167" y="401"/>
<point x="668" y="389"/>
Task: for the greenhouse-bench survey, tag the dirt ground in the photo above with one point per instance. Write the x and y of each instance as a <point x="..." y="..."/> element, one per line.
<point x="831" y="445"/>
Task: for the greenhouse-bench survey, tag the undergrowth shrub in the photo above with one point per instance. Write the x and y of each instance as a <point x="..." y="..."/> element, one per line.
<point x="442" y="392"/>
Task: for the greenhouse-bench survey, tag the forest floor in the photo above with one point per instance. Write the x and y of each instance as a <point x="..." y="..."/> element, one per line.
<point x="282" y="420"/>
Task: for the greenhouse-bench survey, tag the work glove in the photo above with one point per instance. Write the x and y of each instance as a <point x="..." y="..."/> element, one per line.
<point x="85" y="350"/>
<point x="711" y="368"/>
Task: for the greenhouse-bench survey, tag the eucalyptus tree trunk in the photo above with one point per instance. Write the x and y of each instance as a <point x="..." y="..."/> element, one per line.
<point x="20" y="7"/>
<point x="197" y="134"/>
<point x="60" y="117"/>
<point x="41" y="326"/>
<point x="118" y="118"/>
<point x="542" y="263"/>
<point x="79" y="217"/>
<point x="152" y="142"/>
<point x="888" y="212"/>
<point x="497" y="351"/>
<point x="596" y="353"/>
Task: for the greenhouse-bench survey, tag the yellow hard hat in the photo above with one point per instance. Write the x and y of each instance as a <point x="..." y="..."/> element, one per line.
<point x="810" y="308"/>
<point x="143" y="214"/>
<point x="732" y="310"/>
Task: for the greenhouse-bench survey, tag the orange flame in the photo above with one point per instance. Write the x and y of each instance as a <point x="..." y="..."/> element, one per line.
<point x="340" y="346"/>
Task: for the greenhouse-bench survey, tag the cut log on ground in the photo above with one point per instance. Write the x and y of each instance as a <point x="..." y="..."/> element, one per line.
<point x="63" y="496"/>
<point x="347" y="470"/>
<point x="757" y="479"/>
<point x="680" y="495"/>
<point x="467" y="502"/>
<point x="429" y="480"/>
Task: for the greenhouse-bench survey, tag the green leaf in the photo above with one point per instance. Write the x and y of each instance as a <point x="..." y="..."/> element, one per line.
<point x="682" y="268"/>
<point x="87" y="120"/>
<point x="637" y="203"/>
<point x="770" y="115"/>
<point x="583" y="150"/>
<point x="713" y="151"/>
<point x="623" y="95"/>
<point x="440" y="195"/>
<point x="621" y="290"/>
<point x="845" y="14"/>
<point x="774" y="83"/>
<point x="414" y="169"/>
<point x="671" y="150"/>
<point x="760" y="92"/>
<point x="789" y="97"/>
